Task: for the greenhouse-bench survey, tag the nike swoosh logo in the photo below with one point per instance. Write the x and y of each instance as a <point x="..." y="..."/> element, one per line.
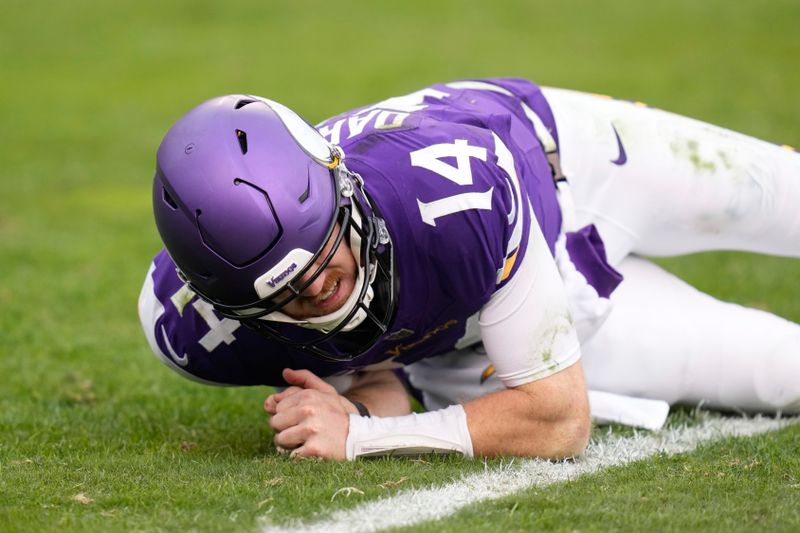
<point x="622" y="155"/>
<point x="183" y="361"/>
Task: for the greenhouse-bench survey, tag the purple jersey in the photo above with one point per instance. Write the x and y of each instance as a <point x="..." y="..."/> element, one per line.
<point x="459" y="175"/>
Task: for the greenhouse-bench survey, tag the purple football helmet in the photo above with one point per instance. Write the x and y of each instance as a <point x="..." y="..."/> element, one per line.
<point x="246" y="195"/>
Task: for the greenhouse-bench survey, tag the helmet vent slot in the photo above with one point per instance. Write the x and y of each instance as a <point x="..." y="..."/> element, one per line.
<point x="242" y="138"/>
<point x="243" y="102"/>
<point x="168" y="199"/>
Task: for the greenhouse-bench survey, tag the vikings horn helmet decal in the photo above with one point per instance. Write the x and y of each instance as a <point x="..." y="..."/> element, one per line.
<point x="246" y="195"/>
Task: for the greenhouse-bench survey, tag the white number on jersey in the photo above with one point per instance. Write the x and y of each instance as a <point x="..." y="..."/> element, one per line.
<point x="430" y="158"/>
<point x="219" y="331"/>
<point x="389" y="114"/>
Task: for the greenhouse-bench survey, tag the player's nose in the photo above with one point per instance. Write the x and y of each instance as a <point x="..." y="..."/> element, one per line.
<point x="315" y="287"/>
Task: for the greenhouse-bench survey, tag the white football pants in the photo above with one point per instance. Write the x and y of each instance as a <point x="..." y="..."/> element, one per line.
<point x="659" y="184"/>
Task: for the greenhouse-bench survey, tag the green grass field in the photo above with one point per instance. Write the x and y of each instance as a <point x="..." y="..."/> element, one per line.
<point x="97" y="435"/>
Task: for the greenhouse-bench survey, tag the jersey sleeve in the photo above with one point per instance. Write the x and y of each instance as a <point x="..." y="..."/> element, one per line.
<point x="526" y="327"/>
<point x="525" y="322"/>
<point x="474" y="209"/>
<point x="191" y="338"/>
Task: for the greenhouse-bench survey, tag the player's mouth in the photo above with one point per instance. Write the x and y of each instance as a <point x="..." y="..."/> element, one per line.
<point x="328" y="293"/>
<point x="332" y="296"/>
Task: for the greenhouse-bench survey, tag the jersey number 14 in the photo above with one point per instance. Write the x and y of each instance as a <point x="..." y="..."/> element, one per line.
<point x="430" y="158"/>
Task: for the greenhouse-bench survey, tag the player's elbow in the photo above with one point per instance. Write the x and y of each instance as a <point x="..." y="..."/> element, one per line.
<point x="556" y="439"/>
<point x="577" y="426"/>
<point x="560" y="418"/>
<point x="569" y="429"/>
<point x="575" y="431"/>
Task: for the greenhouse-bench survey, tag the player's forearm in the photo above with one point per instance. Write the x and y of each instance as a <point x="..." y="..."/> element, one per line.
<point x="515" y="422"/>
<point x="381" y="392"/>
<point x="545" y="418"/>
<point x="501" y="424"/>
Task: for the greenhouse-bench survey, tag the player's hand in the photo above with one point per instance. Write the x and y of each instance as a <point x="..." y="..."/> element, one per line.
<point x="310" y="417"/>
<point x="271" y="403"/>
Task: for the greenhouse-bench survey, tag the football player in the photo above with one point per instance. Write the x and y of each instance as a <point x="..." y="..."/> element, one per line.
<point x="432" y="243"/>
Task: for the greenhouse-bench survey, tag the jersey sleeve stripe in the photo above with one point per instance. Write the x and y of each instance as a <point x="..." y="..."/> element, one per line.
<point x="508" y="265"/>
<point x="547" y="140"/>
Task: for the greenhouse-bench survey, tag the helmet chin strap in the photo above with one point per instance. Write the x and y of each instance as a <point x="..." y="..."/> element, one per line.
<point x="331" y="320"/>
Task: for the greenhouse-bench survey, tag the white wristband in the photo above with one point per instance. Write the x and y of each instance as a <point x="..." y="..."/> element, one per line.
<point x="442" y="431"/>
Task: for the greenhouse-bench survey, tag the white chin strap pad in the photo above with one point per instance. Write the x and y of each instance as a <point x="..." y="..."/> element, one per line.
<point x="331" y="320"/>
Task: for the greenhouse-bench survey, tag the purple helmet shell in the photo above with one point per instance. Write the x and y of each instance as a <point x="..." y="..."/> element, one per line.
<point x="234" y="194"/>
<point x="246" y="195"/>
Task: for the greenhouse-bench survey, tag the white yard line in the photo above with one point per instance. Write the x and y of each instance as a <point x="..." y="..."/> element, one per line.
<point x="414" y="506"/>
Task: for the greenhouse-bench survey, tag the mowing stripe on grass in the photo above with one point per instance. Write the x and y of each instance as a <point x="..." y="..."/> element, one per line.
<point x="414" y="506"/>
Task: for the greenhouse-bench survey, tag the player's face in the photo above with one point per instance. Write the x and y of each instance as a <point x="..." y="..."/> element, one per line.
<point x="330" y="290"/>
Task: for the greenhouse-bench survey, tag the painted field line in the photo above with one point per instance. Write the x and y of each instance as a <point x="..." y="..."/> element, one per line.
<point x="415" y="506"/>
